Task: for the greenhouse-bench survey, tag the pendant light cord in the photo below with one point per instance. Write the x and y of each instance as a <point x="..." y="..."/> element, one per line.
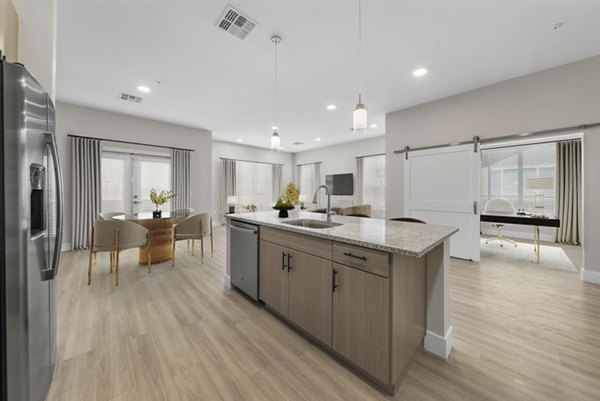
<point x="276" y="85"/>
<point x="359" y="52"/>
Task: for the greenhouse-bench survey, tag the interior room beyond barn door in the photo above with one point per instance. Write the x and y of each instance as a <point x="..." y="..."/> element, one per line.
<point x="442" y="186"/>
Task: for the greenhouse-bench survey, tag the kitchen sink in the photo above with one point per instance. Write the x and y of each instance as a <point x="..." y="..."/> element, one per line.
<point x="310" y="223"/>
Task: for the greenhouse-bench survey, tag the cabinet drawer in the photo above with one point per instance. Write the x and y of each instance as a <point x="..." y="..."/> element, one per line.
<point x="369" y="260"/>
<point x="303" y="243"/>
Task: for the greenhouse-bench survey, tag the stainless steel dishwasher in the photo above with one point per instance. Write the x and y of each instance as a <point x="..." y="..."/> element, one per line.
<point x="243" y="253"/>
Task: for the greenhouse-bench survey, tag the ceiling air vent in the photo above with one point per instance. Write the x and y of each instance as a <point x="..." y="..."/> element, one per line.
<point x="236" y="23"/>
<point x="131" y="98"/>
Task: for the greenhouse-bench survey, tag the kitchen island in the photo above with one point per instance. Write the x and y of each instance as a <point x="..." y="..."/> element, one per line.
<point x="370" y="292"/>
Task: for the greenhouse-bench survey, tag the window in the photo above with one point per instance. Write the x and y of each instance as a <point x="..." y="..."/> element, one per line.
<point x="126" y="180"/>
<point x="373" y="182"/>
<point x="253" y="183"/>
<point x="307" y="179"/>
<point x="504" y="174"/>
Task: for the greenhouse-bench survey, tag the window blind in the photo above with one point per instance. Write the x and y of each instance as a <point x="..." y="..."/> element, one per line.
<point x="505" y="171"/>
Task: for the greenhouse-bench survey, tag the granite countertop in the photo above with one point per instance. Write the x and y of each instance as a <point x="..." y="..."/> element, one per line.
<point x="412" y="239"/>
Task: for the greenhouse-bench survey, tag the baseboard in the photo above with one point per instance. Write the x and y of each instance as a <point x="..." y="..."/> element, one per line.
<point x="438" y="345"/>
<point x="227" y="282"/>
<point x="589" y="276"/>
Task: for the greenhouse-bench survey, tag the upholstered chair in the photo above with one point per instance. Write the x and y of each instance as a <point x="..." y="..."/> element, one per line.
<point x="194" y="227"/>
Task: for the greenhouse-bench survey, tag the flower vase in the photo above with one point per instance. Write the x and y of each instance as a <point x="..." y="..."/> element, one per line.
<point x="157" y="214"/>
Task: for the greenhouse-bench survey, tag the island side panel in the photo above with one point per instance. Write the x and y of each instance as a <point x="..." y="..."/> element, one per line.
<point x="408" y="312"/>
<point x="438" y="338"/>
<point x="227" y="255"/>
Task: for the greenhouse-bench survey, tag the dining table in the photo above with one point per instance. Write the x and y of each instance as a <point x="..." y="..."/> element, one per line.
<point x="160" y="235"/>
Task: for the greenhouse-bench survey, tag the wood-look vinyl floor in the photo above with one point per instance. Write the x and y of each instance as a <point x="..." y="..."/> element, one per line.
<point x="521" y="333"/>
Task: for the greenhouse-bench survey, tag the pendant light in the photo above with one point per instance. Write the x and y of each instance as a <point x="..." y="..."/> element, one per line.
<point x="359" y="116"/>
<point x="275" y="139"/>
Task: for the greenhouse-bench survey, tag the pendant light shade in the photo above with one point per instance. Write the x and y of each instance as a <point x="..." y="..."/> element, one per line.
<point x="275" y="141"/>
<point x="359" y="116"/>
<point x="275" y="138"/>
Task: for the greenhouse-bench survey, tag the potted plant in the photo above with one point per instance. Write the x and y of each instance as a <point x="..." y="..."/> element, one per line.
<point x="160" y="198"/>
<point x="291" y="194"/>
<point x="283" y="206"/>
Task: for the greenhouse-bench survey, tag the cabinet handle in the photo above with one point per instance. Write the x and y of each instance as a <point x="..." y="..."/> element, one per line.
<point x="333" y="283"/>
<point x="289" y="257"/>
<point x="355" y="257"/>
<point x="283" y="254"/>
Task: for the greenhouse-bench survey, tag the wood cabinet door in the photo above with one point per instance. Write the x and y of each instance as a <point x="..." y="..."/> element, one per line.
<point x="273" y="276"/>
<point x="361" y="319"/>
<point x="310" y="294"/>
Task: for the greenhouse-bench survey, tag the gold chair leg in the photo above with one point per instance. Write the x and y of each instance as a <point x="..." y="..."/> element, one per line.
<point x="193" y="246"/>
<point x="90" y="269"/>
<point x="117" y="270"/>
<point x="202" y="249"/>
<point x="95" y="256"/>
<point x="212" y="247"/>
<point x="112" y="259"/>
<point x="173" y="256"/>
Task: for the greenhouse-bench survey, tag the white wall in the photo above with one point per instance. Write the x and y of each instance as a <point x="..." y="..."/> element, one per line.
<point x="78" y="120"/>
<point x="559" y="97"/>
<point x="37" y="40"/>
<point x="9" y="30"/>
<point x="247" y="153"/>
<point x="339" y="159"/>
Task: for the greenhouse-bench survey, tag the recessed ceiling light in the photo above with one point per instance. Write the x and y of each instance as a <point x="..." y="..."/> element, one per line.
<point x="240" y="140"/>
<point x="373" y="125"/>
<point x="419" y="72"/>
<point x="274" y="128"/>
<point x="331" y="107"/>
<point x="143" y="88"/>
<point x="318" y="139"/>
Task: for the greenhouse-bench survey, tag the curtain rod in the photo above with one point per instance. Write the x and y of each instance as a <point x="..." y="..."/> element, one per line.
<point x="251" y="161"/>
<point x="308" y="164"/>
<point x="505" y="138"/>
<point x="375" y="154"/>
<point x="128" y="142"/>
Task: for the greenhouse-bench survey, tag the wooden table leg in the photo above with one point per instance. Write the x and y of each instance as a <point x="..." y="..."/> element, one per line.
<point x="161" y="241"/>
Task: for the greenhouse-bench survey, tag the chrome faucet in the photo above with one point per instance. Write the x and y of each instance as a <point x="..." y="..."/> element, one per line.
<point x="329" y="212"/>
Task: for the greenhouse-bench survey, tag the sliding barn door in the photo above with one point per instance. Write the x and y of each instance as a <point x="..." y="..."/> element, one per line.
<point x="442" y="186"/>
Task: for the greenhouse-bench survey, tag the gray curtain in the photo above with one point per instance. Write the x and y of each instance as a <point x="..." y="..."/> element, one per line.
<point x="276" y="177"/>
<point x="568" y="191"/>
<point x="359" y="180"/>
<point x="86" y="156"/>
<point x="228" y="182"/>
<point x="181" y="179"/>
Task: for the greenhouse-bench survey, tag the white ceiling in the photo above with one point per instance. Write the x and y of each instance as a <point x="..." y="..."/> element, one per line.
<point x="210" y="79"/>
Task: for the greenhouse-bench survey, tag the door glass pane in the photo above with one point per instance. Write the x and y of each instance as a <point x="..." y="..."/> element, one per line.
<point x="113" y="183"/>
<point x="154" y="173"/>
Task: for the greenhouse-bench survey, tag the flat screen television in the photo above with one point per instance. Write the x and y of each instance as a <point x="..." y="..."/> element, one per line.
<point x="340" y="184"/>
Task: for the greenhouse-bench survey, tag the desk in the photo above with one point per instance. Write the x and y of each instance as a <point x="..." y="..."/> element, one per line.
<point x="513" y="218"/>
<point x="161" y="237"/>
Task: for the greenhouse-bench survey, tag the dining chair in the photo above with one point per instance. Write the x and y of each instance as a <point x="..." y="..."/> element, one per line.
<point x="194" y="227"/>
<point x="358" y="215"/>
<point x="103" y="238"/>
<point x="500" y="206"/>
<point x="178" y="215"/>
<point x="364" y="209"/>
<point x="131" y="235"/>
<point x="409" y="220"/>
<point x="109" y="215"/>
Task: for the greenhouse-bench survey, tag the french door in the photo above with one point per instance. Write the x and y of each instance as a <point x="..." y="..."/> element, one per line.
<point x="442" y="186"/>
<point x="127" y="179"/>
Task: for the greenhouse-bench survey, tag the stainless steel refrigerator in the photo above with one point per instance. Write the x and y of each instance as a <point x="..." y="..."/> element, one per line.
<point x="31" y="229"/>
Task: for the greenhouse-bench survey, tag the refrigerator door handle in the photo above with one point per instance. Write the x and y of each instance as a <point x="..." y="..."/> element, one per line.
<point x="51" y="141"/>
